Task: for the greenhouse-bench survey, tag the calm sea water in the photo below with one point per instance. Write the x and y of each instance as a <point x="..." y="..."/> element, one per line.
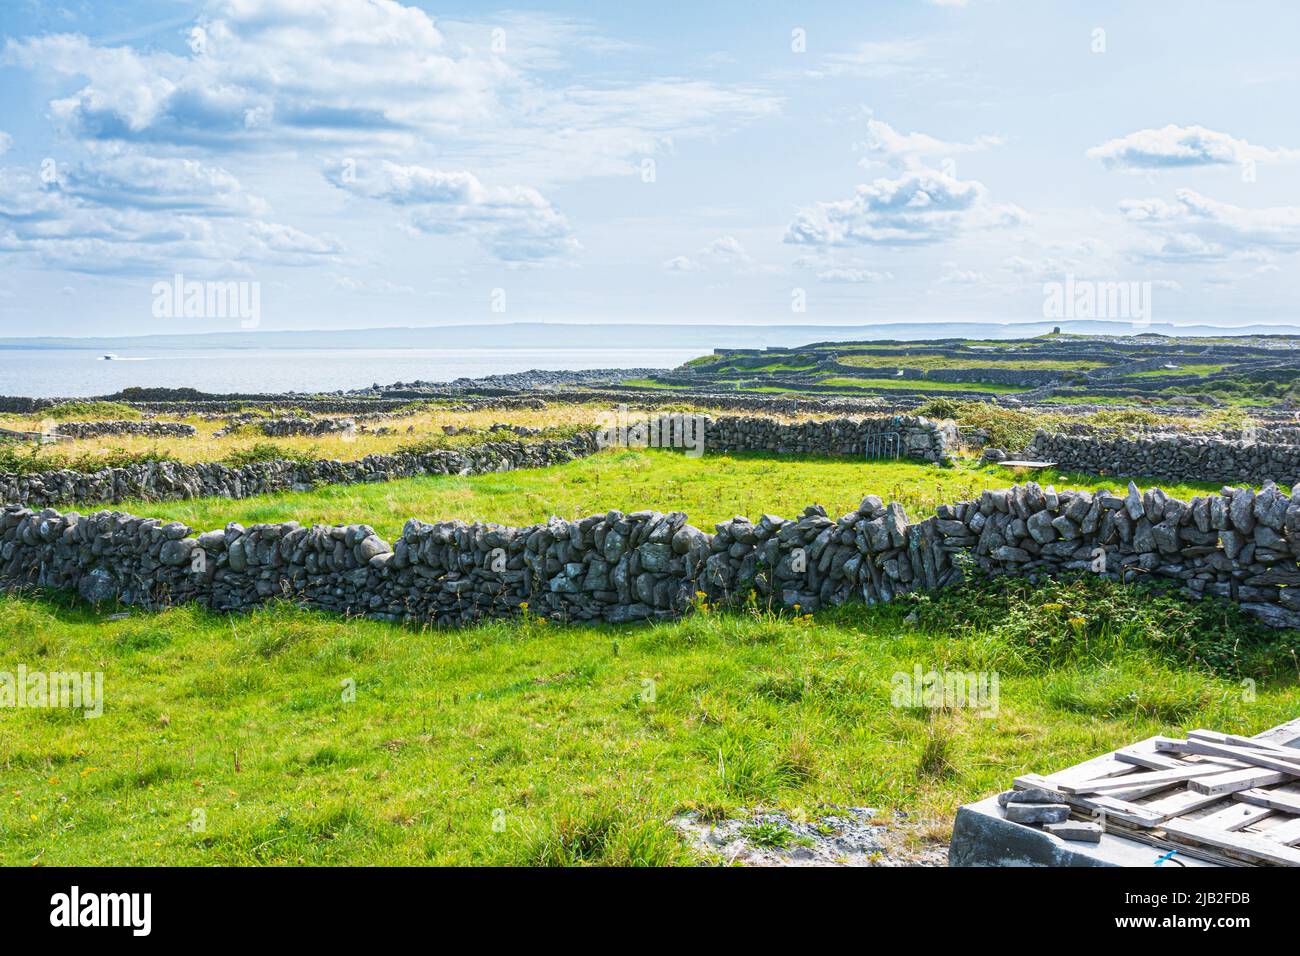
<point x="77" y="372"/>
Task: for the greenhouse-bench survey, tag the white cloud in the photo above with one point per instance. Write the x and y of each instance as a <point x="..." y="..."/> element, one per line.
<point x="578" y="132"/>
<point x="273" y="81"/>
<point x="877" y="59"/>
<point x="728" y="249"/>
<point x="1181" y="146"/>
<point x="276" y="242"/>
<point x="130" y="215"/>
<point x="1196" y="228"/>
<point x="181" y="185"/>
<point x="954" y="276"/>
<point x="886" y="144"/>
<point x="377" y="76"/>
<point x="855" y="276"/>
<point x="303" y="69"/>
<point x="725" y="252"/>
<point x="5" y="142"/>
<point x="351" y="284"/>
<point x="515" y="223"/>
<point x="921" y="206"/>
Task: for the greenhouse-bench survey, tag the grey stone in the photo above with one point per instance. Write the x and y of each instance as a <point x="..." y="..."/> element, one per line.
<point x="1079" y="830"/>
<point x="1029" y="795"/>
<point x="1037" y="812"/>
<point x="98" y="586"/>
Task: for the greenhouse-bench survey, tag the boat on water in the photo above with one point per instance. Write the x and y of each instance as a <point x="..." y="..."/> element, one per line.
<point x="107" y="357"/>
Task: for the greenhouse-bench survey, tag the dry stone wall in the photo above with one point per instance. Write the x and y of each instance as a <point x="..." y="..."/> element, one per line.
<point x="919" y="437"/>
<point x="299" y="425"/>
<point x="1171" y="457"/>
<point x="616" y="567"/>
<point x="167" y="480"/>
<point x="145" y="428"/>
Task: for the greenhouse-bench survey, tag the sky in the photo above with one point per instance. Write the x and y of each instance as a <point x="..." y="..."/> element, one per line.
<point x="375" y="163"/>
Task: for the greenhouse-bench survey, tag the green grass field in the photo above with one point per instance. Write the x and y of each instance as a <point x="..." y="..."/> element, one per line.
<point x="708" y="489"/>
<point x="234" y="740"/>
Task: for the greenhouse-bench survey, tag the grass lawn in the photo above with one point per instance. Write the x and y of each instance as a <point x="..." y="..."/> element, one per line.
<point x="709" y="489"/>
<point x="230" y="740"/>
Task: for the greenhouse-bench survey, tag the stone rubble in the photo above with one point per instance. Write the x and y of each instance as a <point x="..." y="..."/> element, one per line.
<point x="839" y="836"/>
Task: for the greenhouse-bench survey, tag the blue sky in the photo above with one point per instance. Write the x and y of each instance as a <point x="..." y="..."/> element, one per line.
<point x="376" y="163"/>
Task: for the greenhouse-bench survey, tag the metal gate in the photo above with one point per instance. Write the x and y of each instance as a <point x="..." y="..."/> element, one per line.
<point x="884" y="444"/>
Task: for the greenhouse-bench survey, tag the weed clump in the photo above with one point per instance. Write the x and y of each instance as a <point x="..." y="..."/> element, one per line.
<point x="1088" y="618"/>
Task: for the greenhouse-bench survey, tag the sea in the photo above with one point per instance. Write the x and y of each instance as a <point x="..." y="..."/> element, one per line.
<point x="71" y="373"/>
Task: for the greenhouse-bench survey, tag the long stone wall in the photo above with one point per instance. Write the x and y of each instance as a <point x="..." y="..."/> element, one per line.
<point x="168" y="480"/>
<point x="618" y="567"/>
<point x="919" y="437"/>
<point x="1171" y="457"/>
<point x="297" y="425"/>
<point x="991" y="375"/>
<point x="144" y="428"/>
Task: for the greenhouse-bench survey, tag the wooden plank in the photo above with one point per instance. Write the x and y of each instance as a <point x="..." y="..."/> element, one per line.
<point x="1270" y="851"/>
<point x="1139" y="793"/>
<point x="1180" y="802"/>
<point x="1286" y="832"/>
<point x="1282" y="734"/>
<point x="1234" y="817"/>
<point x="1235" y="740"/>
<point x="1186" y="772"/>
<point x="1248" y="779"/>
<point x="1275" y="799"/>
<point x="1153" y="760"/>
<point x="1147" y="758"/>
<point x="1256" y="758"/>
<point x="1103" y="766"/>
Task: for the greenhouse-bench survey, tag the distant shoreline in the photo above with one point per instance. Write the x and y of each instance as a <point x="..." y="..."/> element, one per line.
<point x="632" y="336"/>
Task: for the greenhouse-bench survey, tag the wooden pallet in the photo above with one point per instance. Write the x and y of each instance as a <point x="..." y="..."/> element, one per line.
<point x="1219" y="797"/>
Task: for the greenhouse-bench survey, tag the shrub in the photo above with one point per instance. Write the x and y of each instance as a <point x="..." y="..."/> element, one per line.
<point x="269" y="451"/>
<point x="76" y="411"/>
<point x="1088" y="617"/>
<point x="34" y="458"/>
<point x="1006" y="427"/>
